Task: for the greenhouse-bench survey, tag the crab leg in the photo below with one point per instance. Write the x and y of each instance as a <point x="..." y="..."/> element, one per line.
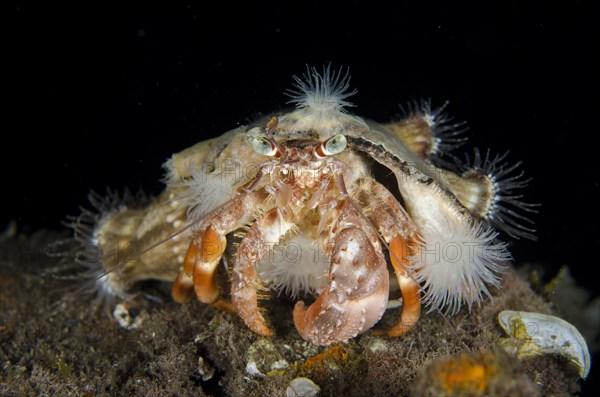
<point x="199" y="268"/>
<point x="244" y="284"/>
<point x="357" y="294"/>
<point x="207" y="247"/>
<point x="411" y="296"/>
<point x="398" y="231"/>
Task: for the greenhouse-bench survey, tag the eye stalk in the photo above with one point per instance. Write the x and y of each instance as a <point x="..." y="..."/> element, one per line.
<point x="334" y="145"/>
<point x="266" y="146"/>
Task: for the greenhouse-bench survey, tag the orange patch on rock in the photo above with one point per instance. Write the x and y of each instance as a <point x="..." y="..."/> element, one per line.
<point x="332" y="356"/>
<point x="467" y="373"/>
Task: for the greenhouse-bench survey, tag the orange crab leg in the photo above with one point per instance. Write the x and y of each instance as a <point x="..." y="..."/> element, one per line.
<point x="199" y="268"/>
<point x="411" y="296"/>
<point x="183" y="287"/>
<point x="213" y="246"/>
<point x="204" y="253"/>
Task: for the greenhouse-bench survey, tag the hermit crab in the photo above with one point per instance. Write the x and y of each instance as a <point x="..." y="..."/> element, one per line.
<point x="294" y="204"/>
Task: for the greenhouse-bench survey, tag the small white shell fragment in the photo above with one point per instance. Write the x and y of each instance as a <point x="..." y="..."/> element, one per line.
<point x="535" y="333"/>
<point x="205" y="370"/>
<point x="302" y="387"/>
<point x="126" y="318"/>
<point x="280" y="364"/>
<point x="378" y="345"/>
<point x="252" y="370"/>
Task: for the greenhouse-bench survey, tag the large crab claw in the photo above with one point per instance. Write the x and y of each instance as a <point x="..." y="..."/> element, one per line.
<point x="357" y="293"/>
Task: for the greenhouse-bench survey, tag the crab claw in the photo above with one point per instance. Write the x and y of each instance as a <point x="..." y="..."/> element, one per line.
<point x="356" y="296"/>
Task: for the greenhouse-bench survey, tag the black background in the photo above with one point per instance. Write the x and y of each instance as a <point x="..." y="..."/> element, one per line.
<point x="100" y="95"/>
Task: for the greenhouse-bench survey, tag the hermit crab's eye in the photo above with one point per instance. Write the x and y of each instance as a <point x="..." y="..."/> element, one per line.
<point x="264" y="146"/>
<point x="334" y="145"/>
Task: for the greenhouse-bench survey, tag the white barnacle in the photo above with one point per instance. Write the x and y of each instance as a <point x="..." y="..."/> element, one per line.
<point x="204" y="192"/>
<point x="456" y="264"/>
<point x="443" y="136"/>
<point x="322" y="94"/>
<point x="504" y="210"/>
<point x="295" y="267"/>
<point x="459" y="256"/>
